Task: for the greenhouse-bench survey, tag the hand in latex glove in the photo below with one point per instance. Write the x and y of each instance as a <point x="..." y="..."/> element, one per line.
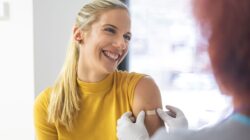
<point x="127" y="130"/>
<point x="174" y="118"/>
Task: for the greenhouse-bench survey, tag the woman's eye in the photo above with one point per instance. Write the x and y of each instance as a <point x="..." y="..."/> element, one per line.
<point x="111" y="30"/>
<point x="127" y="37"/>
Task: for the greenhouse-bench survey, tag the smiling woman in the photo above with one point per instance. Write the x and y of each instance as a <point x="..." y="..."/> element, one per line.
<point x="90" y="94"/>
<point x="104" y="45"/>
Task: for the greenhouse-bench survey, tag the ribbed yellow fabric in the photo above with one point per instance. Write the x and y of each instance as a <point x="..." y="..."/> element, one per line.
<point x="102" y="104"/>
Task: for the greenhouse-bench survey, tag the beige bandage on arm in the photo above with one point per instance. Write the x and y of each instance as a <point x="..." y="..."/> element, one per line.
<point x="150" y="112"/>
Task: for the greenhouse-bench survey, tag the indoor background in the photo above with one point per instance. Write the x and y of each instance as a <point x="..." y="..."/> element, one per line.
<point x="34" y="35"/>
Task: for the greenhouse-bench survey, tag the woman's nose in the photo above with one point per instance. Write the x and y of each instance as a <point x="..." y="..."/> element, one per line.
<point x="120" y="43"/>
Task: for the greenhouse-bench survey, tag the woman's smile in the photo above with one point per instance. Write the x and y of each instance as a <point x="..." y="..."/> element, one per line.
<point x="111" y="55"/>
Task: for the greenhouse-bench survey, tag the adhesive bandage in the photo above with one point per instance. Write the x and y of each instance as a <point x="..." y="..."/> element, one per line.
<point x="150" y="112"/>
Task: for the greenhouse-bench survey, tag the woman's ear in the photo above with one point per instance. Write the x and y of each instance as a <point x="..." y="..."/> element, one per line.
<point x="78" y="35"/>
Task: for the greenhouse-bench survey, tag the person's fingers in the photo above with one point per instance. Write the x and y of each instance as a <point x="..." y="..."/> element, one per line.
<point x="174" y="110"/>
<point x="172" y="114"/>
<point x="163" y="115"/>
<point x="132" y="118"/>
<point x="125" y="117"/>
<point x="140" y="118"/>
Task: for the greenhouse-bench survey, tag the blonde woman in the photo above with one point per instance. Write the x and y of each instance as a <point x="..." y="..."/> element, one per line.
<point x="90" y="94"/>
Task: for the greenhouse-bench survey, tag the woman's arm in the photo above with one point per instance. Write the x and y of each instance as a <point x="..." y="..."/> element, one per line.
<point x="147" y="97"/>
<point x="43" y="129"/>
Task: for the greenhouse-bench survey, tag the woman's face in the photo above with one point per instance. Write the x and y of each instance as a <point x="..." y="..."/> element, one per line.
<point x="106" y="44"/>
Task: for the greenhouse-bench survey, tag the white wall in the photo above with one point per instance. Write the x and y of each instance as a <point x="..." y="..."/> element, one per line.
<point x="16" y="70"/>
<point x="34" y="35"/>
<point x="53" y="21"/>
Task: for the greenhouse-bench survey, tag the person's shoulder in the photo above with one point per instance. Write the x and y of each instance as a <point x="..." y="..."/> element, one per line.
<point x="43" y="96"/>
<point x="129" y="75"/>
<point x="147" y="93"/>
<point x="45" y="93"/>
<point x="145" y="84"/>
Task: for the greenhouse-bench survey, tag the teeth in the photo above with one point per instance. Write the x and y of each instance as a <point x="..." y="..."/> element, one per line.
<point x="111" y="55"/>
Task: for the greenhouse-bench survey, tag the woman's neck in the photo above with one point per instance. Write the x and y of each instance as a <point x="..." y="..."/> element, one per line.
<point x="90" y="77"/>
<point x="87" y="74"/>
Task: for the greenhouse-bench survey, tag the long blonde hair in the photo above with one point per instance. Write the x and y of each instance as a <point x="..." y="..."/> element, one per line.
<point x="65" y="97"/>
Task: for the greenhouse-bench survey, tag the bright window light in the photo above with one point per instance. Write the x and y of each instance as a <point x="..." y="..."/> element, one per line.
<point x="166" y="45"/>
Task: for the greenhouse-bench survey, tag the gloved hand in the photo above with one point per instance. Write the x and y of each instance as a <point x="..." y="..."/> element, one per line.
<point x="127" y="130"/>
<point x="174" y="118"/>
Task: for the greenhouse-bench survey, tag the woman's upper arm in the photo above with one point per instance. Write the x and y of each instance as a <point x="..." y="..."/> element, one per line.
<point x="147" y="97"/>
<point x="43" y="129"/>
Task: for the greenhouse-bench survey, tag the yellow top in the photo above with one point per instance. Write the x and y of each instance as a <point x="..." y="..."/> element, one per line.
<point x="102" y="104"/>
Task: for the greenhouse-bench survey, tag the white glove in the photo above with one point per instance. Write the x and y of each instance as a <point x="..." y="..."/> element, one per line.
<point x="174" y="118"/>
<point x="127" y="130"/>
